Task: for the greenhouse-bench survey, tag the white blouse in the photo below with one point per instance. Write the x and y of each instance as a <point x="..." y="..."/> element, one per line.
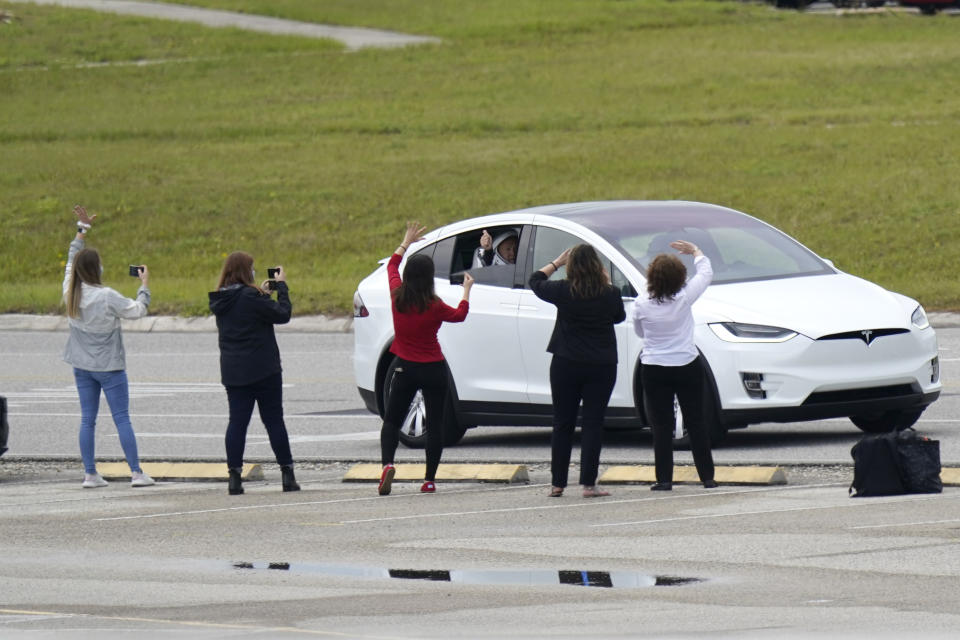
<point x="667" y="327"/>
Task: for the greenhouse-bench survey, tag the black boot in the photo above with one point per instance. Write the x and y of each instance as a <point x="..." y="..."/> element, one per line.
<point x="236" y="484"/>
<point x="289" y="482"/>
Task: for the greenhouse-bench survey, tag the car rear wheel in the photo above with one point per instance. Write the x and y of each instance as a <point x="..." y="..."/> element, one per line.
<point x="413" y="427"/>
<point x="886" y="421"/>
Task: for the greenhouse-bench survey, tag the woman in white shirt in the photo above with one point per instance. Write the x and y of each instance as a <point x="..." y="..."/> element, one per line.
<point x="95" y="350"/>
<point x="670" y="362"/>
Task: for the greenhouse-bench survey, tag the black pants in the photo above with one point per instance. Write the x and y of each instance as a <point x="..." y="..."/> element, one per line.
<point x="660" y="384"/>
<point x="268" y="394"/>
<point x="430" y="378"/>
<point x="571" y="382"/>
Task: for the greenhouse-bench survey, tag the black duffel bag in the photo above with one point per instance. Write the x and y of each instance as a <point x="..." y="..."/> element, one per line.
<point x="4" y="426"/>
<point x="895" y="463"/>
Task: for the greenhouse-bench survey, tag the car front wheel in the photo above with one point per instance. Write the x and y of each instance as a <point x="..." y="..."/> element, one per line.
<point x="886" y="421"/>
<point x="413" y="426"/>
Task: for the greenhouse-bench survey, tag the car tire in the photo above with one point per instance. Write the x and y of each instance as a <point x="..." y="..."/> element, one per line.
<point x="413" y="427"/>
<point x="886" y="421"/>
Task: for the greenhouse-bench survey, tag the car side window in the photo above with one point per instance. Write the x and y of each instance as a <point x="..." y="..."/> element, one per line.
<point x="500" y="272"/>
<point x="442" y="254"/>
<point x="548" y="244"/>
<point x="618" y="280"/>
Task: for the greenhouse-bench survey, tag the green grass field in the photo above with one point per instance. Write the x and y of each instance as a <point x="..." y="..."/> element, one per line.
<point x="842" y="131"/>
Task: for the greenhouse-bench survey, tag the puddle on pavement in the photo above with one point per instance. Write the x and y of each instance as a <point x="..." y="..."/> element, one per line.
<point x="529" y="577"/>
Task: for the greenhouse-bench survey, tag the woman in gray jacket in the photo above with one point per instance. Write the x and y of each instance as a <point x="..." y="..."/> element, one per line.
<point x="95" y="350"/>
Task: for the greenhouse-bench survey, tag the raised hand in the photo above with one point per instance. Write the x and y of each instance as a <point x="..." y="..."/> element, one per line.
<point x="685" y="247"/>
<point x="82" y="216"/>
<point x="413" y="233"/>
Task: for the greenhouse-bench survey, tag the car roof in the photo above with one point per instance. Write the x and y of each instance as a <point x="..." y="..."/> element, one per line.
<point x="576" y="209"/>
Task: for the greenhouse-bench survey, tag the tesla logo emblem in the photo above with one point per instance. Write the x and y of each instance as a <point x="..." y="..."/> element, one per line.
<point x="866" y="335"/>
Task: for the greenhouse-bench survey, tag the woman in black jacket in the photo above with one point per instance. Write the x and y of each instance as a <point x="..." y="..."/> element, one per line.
<point x="584" y="365"/>
<point x="250" y="361"/>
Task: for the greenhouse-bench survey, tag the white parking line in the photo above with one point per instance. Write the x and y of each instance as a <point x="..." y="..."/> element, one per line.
<point x="253" y="628"/>
<point x="904" y="524"/>
<point x="586" y="503"/>
<point x="839" y="505"/>
<point x="279" y="505"/>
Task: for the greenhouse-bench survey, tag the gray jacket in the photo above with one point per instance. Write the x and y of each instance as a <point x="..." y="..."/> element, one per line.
<point x="95" y="342"/>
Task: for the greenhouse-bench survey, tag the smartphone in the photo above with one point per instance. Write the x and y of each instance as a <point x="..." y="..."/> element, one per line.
<point x="457" y="278"/>
<point x="272" y="272"/>
<point x="134" y="271"/>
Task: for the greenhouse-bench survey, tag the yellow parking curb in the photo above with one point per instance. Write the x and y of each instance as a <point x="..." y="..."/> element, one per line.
<point x="179" y="470"/>
<point x="723" y="475"/>
<point x="508" y="473"/>
<point x="950" y="476"/>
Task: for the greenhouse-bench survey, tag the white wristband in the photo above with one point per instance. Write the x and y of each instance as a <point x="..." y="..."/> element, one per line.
<point x="83" y="224"/>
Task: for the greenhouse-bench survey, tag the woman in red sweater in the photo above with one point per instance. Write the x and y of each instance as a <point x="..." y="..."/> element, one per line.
<point x="417" y="316"/>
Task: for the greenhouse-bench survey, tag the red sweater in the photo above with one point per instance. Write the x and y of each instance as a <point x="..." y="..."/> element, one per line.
<point x="415" y="334"/>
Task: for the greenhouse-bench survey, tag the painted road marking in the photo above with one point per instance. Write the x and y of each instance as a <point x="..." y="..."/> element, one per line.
<point x="838" y="505"/>
<point x="904" y="524"/>
<point x="47" y="615"/>
<point x="279" y="505"/>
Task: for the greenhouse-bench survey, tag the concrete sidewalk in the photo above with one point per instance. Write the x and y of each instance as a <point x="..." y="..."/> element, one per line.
<point x="175" y="324"/>
<point x="352" y="37"/>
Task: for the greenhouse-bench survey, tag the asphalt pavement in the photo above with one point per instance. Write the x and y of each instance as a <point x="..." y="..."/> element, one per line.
<point x="179" y="408"/>
<point x="475" y="560"/>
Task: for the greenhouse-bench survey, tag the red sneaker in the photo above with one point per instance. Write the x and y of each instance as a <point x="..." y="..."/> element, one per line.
<point x="428" y="487"/>
<point x="386" y="480"/>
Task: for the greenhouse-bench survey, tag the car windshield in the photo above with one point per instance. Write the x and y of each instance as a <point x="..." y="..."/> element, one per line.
<point x="740" y="247"/>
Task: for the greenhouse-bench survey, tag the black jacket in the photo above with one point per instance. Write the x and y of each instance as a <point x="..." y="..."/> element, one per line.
<point x="583" y="331"/>
<point x="245" y="319"/>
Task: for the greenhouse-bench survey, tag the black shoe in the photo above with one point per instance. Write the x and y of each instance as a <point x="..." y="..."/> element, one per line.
<point x="289" y="482"/>
<point x="235" y="487"/>
<point x="710" y="484"/>
<point x="662" y="486"/>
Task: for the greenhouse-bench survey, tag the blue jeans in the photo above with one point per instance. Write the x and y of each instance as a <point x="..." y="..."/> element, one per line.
<point x="114" y="385"/>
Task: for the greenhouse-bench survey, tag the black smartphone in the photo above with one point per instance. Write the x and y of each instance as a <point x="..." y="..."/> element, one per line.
<point x="134" y="271"/>
<point x="457" y="278"/>
<point x="272" y="272"/>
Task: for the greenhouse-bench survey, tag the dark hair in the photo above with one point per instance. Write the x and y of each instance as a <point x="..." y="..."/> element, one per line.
<point x="237" y="269"/>
<point x="666" y="275"/>
<point x="416" y="293"/>
<point x="585" y="272"/>
<point x="86" y="268"/>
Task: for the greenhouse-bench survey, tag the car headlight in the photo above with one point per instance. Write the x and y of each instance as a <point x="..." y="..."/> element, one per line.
<point x="919" y="318"/>
<point x="742" y="332"/>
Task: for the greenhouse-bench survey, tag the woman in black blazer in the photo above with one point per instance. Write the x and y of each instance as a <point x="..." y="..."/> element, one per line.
<point x="584" y="365"/>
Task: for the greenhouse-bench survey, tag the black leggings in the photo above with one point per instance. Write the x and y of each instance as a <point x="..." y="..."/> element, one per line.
<point x="268" y="394"/>
<point x="660" y="384"/>
<point x="569" y="383"/>
<point x="409" y="377"/>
